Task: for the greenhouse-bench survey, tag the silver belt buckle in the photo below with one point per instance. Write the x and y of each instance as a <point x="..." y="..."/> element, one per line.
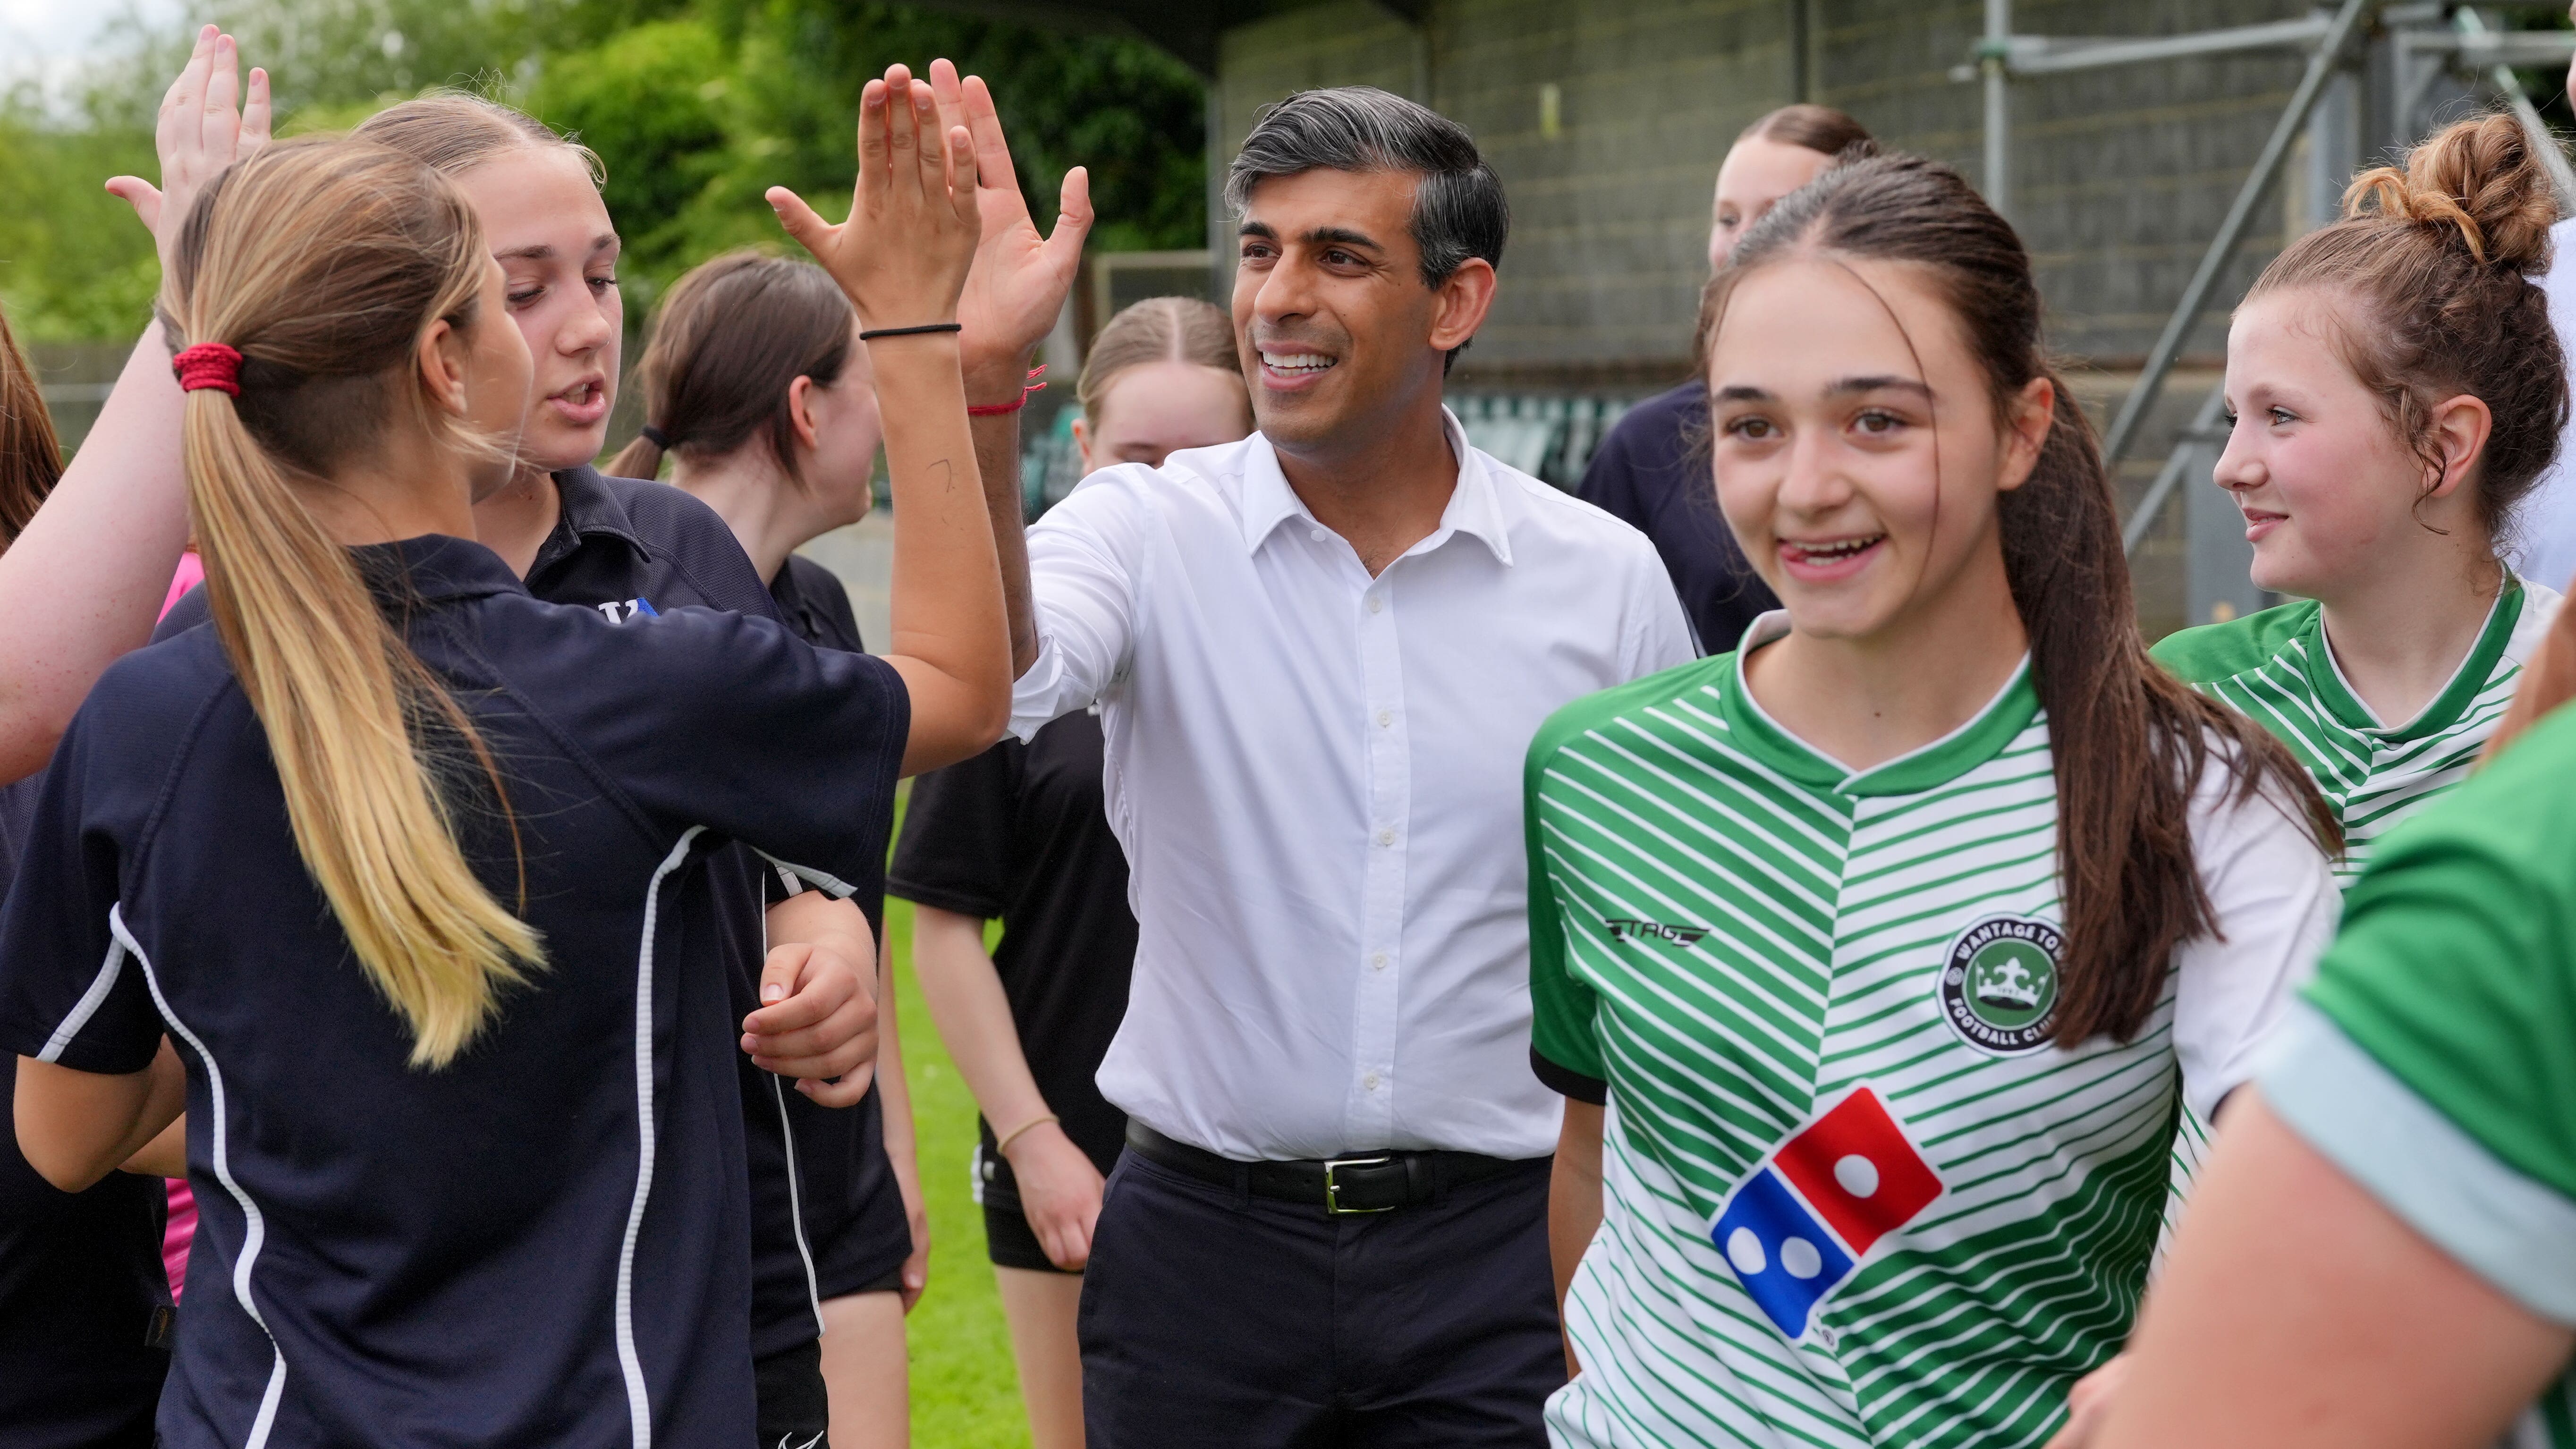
<point x="1333" y="1190"/>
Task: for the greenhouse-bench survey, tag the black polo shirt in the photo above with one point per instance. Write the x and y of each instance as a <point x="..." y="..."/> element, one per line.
<point x="856" y="1231"/>
<point x="1652" y="473"/>
<point x="1021" y="832"/>
<point x="80" y="1274"/>
<point x="629" y="549"/>
<point x="543" y="1242"/>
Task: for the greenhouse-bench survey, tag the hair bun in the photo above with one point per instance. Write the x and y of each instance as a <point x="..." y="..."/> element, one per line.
<point x="2478" y="179"/>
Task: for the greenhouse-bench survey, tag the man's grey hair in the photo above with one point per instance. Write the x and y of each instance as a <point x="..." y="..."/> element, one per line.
<point x="1458" y="209"/>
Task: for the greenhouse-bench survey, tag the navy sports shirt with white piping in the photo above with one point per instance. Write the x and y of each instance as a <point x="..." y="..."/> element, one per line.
<point x="486" y="1252"/>
<point x="629" y="548"/>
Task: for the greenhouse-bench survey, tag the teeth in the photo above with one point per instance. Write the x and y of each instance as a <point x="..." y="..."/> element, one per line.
<point x="1839" y="549"/>
<point x="1295" y="362"/>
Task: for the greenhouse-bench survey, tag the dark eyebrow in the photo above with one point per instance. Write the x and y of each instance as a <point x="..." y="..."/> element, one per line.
<point x="1341" y="236"/>
<point x="1257" y="228"/>
<point x="1848" y="385"/>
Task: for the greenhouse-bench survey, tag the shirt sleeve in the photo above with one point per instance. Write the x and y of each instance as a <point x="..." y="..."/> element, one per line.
<point x="713" y="719"/>
<point x="2273" y="894"/>
<point x="1086" y="567"/>
<point x="71" y="991"/>
<point x="1565" y="1050"/>
<point x="955" y="852"/>
<point x="1659" y="633"/>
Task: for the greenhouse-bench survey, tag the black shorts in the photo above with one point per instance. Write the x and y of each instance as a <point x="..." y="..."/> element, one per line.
<point x="795" y="1408"/>
<point x="1008" y="1239"/>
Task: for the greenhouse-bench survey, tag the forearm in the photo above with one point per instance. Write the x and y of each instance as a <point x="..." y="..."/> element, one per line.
<point x="815" y="919"/>
<point x="74" y="1127"/>
<point x="1573" y="1201"/>
<point x="950" y="640"/>
<point x="995" y="382"/>
<point x="166" y="1155"/>
<point x="973" y="1017"/>
<point x="894" y="1094"/>
<point x="85" y="581"/>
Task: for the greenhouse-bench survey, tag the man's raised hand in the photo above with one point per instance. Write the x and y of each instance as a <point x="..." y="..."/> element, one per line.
<point x="1020" y="280"/>
<point x="206" y="124"/>
<point x="903" y="255"/>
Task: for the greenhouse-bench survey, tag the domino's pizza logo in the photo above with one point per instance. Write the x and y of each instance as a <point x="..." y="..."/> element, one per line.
<point x="1998" y="986"/>
<point x="1800" y="1226"/>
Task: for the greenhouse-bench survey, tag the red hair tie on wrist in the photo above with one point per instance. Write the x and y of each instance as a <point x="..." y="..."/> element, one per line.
<point x="208" y="364"/>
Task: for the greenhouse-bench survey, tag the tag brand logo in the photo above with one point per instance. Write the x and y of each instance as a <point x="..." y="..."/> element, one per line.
<point x="637" y="608"/>
<point x="1622" y="928"/>
<point x="1802" y="1223"/>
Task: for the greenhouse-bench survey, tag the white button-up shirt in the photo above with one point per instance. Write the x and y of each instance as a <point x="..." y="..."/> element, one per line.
<point x="1317" y="778"/>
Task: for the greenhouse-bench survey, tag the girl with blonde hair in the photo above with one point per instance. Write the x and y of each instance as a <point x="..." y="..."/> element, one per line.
<point x="403" y="858"/>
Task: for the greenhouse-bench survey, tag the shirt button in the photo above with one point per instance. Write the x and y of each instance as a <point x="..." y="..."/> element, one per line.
<point x="1369" y="1081"/>
<point x="1318" y="535"/>
<point x="1385" y="718"/>
<point x="1378" y="962"/>
<point x="1386" y="837"/>
<point x="1376" y="603"/>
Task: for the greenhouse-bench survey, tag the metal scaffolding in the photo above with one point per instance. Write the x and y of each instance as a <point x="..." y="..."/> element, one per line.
<point x="2376" y="73"/>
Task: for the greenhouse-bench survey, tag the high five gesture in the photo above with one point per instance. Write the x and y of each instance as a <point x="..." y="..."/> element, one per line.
<point x="902" y="258"/>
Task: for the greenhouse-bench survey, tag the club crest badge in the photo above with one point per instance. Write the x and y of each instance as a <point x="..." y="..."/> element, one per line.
<point x="1998" y="984"/>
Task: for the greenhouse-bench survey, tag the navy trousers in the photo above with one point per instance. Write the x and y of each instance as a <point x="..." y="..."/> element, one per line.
<point x="1213" y="1317"/>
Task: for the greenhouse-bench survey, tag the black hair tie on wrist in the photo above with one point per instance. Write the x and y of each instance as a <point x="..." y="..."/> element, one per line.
<point x="655" y="436"/>
<point x="873" y="333"/>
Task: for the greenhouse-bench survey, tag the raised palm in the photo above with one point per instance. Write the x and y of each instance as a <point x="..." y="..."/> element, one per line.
<point x="1020" y="279"/>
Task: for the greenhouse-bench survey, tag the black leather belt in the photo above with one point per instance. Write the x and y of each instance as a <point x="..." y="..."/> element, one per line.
<point x="1366" y="1182"/>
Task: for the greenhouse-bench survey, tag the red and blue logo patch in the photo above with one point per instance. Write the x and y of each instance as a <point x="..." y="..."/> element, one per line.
<point x="1800" y="1225"/>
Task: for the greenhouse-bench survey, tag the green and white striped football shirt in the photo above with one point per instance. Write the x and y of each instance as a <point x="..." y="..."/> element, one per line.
<point x="2275" y="666"/>
<point x="1739" y="938"/>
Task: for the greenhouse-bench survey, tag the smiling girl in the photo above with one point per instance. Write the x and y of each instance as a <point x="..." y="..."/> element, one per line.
<point x="1877" y="959"/>
<point x="2396" y="390"/>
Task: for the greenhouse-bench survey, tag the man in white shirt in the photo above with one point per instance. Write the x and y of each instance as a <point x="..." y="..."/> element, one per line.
<point x="1320" y="655"/>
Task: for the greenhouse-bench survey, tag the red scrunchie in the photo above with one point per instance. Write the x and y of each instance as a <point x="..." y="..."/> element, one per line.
<point x="208" y="364"/>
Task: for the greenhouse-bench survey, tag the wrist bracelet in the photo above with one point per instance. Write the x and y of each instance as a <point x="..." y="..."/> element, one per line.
<point x="873" y="333"/>
<point x="1003" y="1144"/>
<point x="995" y="410"/>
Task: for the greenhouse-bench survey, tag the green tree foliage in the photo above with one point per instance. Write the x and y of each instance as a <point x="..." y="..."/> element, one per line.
<point x="696" y="106"/>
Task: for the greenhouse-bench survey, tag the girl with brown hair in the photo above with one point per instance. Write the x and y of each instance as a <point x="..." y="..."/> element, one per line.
<point x="2395" y="390"/>
<point x="1878" y="959"/>
<point x="757" y="386"/>
<point x="1021" y="834"/>
<point x="393" y="849"/>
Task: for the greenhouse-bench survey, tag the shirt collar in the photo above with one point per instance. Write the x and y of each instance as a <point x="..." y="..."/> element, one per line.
<point x="1475" y="508"/>
<point x="589" y="508"/>
<point x="434" y="568"/>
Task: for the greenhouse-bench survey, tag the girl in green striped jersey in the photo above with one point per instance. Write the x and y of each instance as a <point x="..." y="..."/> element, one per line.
<point x="1878" y="959"/>
<point x="2382" y="1254"/>
<point x="2395" y="389"/>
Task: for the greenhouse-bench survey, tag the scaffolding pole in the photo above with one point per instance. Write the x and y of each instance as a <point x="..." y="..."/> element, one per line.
<point x="1994" y="56"/>
<point x="2231" y="232"/>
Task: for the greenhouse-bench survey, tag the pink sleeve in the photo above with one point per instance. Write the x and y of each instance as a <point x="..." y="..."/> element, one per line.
<point x="191" y="573"/>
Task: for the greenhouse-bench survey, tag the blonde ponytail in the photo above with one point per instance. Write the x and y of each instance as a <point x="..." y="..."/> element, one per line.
<point x="322" y="262"/>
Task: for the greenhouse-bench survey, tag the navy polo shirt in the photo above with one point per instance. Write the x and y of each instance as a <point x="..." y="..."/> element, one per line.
<point x="629" y="549"/>
<point x="1652" y="474"/>
<point x="80" y="1274"/>
<point x="541" y="1243"/>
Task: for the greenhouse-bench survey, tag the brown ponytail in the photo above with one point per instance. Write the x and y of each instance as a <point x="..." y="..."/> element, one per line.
<point x="2129" y="743"/>
<point x="729" y="339"/>
<point x="322" y="262"/>
<point x="30" y="459"/>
